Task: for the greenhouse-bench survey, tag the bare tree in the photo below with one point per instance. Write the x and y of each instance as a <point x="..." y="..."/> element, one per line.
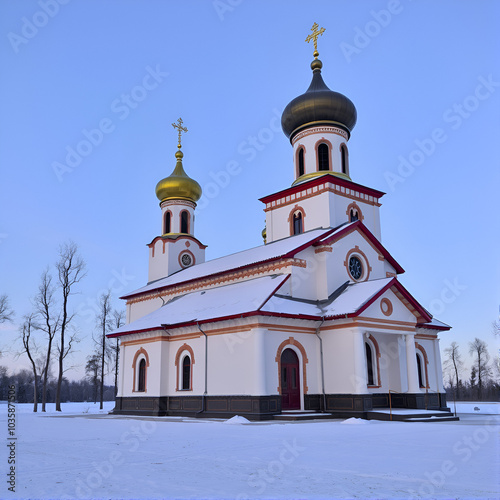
<point x="118" y="321"/>
<point x="496" y="328"/>
<point x="30" y="348"/>
<point x="103" y="320"/>
<point x="479" y="348"/>
<point x="44" y="303"/>
<point x="92" y="371"/>
<point x="6" y="313"/>
<point x="71" y="270"/>
<point x="455" y="364"/>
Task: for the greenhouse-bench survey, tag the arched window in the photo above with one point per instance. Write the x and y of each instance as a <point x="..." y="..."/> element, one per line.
<point x="185" y="222"/>
<point x="186" y="373"/>
<point x="323" y="160"/>
<point x="168" y="222"/>
<point x="343" y="157"/>
<point x="420" y="371"/>
<point x="141" y="380"/>
<point x="354" y="215"/>
<point x="301" y="162"/>
<point x="297" y="223"/>
<point x="369" y="364"/>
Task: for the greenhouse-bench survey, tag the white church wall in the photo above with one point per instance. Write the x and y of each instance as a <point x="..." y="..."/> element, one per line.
<point x="341" y="205"/>
<point x="389" y="308"/>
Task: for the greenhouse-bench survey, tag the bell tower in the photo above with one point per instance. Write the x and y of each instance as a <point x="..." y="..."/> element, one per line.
<point x="176" y="248"/>
<point x="318" y="124"/>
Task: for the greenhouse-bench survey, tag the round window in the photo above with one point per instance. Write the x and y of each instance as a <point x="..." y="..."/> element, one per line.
<point x="355" y="268"/>
<point x="186" y="260"/>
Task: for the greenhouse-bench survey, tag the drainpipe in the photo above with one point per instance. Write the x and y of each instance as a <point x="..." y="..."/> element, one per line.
<point x="322" y="367"/>
<point x="164" y="326"/>
<point x="206" y="370"/>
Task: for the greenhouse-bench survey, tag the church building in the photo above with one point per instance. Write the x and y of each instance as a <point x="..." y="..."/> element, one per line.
<point x="314" y="319"/>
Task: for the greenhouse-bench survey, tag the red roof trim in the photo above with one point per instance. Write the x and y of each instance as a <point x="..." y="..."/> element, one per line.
<point x="291" y="253"/>
<point x="360" y="226"/>
<point x="320" y="180"/>
<point x="406" y="294"/>
<point x="221" y="318"/>
<point x="174" y="239"/>
<point x="433" y="327"/>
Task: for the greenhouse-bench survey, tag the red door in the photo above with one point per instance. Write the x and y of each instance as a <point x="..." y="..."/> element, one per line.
<point x="290" y="388"/>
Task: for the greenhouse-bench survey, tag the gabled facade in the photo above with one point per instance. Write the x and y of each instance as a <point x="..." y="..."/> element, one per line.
<point x="314" y="319"/>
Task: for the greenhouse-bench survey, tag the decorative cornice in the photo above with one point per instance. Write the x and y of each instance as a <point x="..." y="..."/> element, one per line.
<point x="320" y="130"/>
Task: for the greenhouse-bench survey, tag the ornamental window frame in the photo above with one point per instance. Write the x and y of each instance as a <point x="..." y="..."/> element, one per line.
<point x="329" y="147"/>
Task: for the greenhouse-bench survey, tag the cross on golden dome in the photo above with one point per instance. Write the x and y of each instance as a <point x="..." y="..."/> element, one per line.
<point x="314" y="36"/>
<point x="180" y="128"/>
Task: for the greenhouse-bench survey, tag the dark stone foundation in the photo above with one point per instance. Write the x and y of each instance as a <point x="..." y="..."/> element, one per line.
<point x="265" y="407"/>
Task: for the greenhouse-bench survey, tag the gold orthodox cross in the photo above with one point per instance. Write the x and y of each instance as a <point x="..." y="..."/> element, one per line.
<point x="180" y="128"/>
<point x="314" y="36"/>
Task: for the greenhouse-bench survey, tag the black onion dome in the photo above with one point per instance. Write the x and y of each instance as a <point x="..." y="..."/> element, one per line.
<point x="318" y="106"/>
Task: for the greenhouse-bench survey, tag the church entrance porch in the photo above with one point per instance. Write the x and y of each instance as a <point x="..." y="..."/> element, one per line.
<point x="290" y="384"/>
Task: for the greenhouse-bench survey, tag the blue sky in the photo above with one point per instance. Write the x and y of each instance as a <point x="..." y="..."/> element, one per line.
<point x="424" y="77"/>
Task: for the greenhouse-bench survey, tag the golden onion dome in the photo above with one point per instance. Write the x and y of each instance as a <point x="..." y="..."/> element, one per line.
<point x="178" y="185"/>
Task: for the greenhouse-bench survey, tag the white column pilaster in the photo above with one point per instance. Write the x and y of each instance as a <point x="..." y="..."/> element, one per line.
<point x="259" y="375"/>
<point x="411" y="364"/>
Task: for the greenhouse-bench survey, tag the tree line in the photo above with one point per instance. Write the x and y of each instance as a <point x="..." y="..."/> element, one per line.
<point x="47" y="336"/>
<point x="482" y="382"/>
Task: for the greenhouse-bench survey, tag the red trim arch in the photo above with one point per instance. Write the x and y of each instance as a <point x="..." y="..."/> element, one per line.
<point x="134" y="366"/>
<point x="165" y="221"/>
<point x="330" y="159"/>
<point x="374" y="342"/>
<point x="184" y="348"/>
<point x="296" y="209"/>
<point x="354" y="206"/>
<point x="301" y="146"/>
<point x="426" y="362"/>
<point x="188" y="222"/>
<point x="286" y="343"/>
<point x="345" y="155"/>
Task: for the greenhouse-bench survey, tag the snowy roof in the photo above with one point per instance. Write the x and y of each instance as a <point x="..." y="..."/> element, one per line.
<point x="222" y="302"/>
<point x="350" y="301"/>
<point x="260" y="296"/>
<point x="435" y="324"/>
<point x="271" y="251"/>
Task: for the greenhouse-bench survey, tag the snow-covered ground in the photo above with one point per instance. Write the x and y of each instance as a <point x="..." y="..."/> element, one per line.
<point x="85" y="454"/>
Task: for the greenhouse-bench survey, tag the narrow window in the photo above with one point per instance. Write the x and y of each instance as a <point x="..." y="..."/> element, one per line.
<point x="323" y="153"/>
<point x="297" y="223"/>
<point x="184" y="221"/>
<point x="186" y="373"/>
<point x="420" y="374"/>
<point x="369" y="364"/>
<point x="168" y="220"/>
<point x="343" y="155"/>
<point x="141" y="383"/>
<point x="301" y="161"/>
<point x="354" y="215"/>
